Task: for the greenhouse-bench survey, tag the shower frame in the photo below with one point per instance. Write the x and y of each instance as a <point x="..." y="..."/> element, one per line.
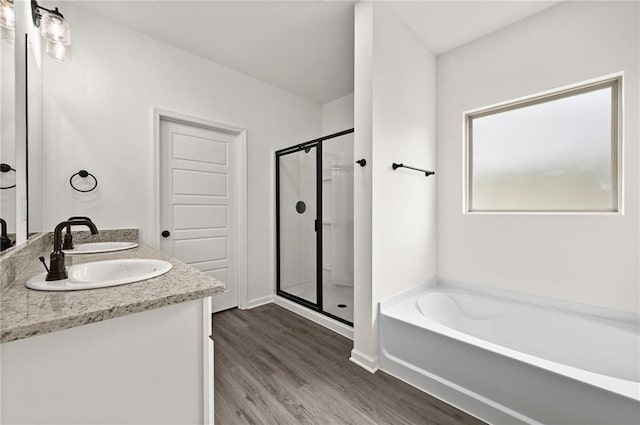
<point x="318" y="305"/>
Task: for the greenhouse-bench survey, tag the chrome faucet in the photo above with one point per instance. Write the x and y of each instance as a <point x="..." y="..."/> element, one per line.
<point x="68" y="238"/>
<point x="57" y="268"/>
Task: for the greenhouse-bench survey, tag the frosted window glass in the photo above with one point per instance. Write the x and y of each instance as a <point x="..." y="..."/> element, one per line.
<point x="551" y="155"/>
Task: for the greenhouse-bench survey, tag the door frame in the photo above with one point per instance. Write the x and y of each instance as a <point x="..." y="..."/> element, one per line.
<point x="240" y="187"/>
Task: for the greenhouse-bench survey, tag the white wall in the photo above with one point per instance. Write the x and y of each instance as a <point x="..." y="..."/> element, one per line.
<point x="98" y="117"/>
<point x="395" y="122"/>
<point x="590" y="259"/>
<point x="404" y="126"/>
<point x="337" y="115"/>
<point x="364" y="342"/>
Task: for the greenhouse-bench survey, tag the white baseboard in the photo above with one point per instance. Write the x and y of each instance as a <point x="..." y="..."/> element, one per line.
<point x="259" y="301"/>
<point x="368" y="363"/>
<point x="329" y="323"/>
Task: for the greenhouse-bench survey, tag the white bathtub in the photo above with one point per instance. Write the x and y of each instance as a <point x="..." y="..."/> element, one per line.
<point x="508" y="361"/>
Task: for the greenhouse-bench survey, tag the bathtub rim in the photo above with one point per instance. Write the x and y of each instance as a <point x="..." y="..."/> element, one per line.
<point x="591" y="311"/>
<point x="412" y="314"/>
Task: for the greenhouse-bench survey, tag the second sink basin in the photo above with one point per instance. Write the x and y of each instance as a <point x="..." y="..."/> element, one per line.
<point x="100" y="274"/>
<point x="98" y="247"/>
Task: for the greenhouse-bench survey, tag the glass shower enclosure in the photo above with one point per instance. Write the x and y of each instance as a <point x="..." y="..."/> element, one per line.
<point x="314" y="225"/>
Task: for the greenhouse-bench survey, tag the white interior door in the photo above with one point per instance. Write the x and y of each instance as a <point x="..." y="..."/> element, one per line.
<point x="198" y="203"/>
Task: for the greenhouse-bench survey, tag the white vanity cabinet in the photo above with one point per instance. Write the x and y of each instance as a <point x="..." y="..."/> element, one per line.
<point x="150" y="367"/>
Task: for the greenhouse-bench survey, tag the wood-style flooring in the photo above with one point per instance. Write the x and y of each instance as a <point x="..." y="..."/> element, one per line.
<point x="275" y="367"/>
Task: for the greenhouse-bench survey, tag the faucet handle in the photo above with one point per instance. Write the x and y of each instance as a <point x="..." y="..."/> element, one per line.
<point x="44" y="263"/>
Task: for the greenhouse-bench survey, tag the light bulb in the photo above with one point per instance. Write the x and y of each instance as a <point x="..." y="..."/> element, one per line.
<point x="7" y="16"/>
<point x="55" y="29"/>
<point x="58" y="51"/>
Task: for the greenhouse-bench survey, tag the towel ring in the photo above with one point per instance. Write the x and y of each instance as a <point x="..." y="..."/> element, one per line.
<point x="5" y="168"/>
<point x="84" y="174"/>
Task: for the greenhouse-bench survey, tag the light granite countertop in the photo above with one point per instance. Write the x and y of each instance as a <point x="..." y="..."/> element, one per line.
<point x="25" y="312"/>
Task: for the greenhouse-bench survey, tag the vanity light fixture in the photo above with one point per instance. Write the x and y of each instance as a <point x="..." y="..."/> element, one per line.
<point x="7" y="21"/>
<point x="55" y="30"/>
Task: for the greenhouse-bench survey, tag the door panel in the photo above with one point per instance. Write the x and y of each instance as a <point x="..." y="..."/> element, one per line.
<point x="220" y="274"/>
<point x="199" y="149"/>
<point x="197" y="205"/>
<point x="297" y="215"/>
<point x="186" y="182"/>
<point x="187" y="217"/>
<point x="206" y="266"/>
<point x="199" y="250"/>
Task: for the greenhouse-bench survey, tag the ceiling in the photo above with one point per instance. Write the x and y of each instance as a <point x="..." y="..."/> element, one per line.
<point x="445" y="25"/>
<point x="304" y="47"/>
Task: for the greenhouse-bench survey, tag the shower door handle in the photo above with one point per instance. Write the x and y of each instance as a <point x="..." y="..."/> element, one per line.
<point x="315" y="225"/>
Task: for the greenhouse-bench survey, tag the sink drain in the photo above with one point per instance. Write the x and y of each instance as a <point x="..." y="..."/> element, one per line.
<point x="342" y="306"/>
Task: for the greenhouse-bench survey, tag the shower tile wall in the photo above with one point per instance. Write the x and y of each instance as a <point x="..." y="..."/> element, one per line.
<point x="337" y="206"/>
<point x="337" y="186"/>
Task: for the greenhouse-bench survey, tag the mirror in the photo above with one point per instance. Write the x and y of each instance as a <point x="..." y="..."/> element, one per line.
<point x="34" y="138"/>
<point x="7" y="139"/>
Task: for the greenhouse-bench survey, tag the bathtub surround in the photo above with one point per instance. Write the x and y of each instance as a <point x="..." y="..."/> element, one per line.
<point x="514" y="348"/>
<point x="395" y="122"/>
<point x="589" y="258"/>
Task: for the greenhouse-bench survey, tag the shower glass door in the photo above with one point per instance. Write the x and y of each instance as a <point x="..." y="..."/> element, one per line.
<point x="314" y="219"/>
<point x="297" y="201"/>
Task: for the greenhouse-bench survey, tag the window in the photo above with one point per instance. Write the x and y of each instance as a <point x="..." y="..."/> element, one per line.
<point x="551" y="153"/>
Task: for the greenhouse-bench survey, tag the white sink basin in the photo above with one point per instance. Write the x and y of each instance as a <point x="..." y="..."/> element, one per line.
<point x="98" y="247"/>
<point x="100" y="274"/>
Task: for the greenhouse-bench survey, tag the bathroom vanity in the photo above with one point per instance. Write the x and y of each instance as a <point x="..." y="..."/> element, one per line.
<point x="135" y="353"/>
